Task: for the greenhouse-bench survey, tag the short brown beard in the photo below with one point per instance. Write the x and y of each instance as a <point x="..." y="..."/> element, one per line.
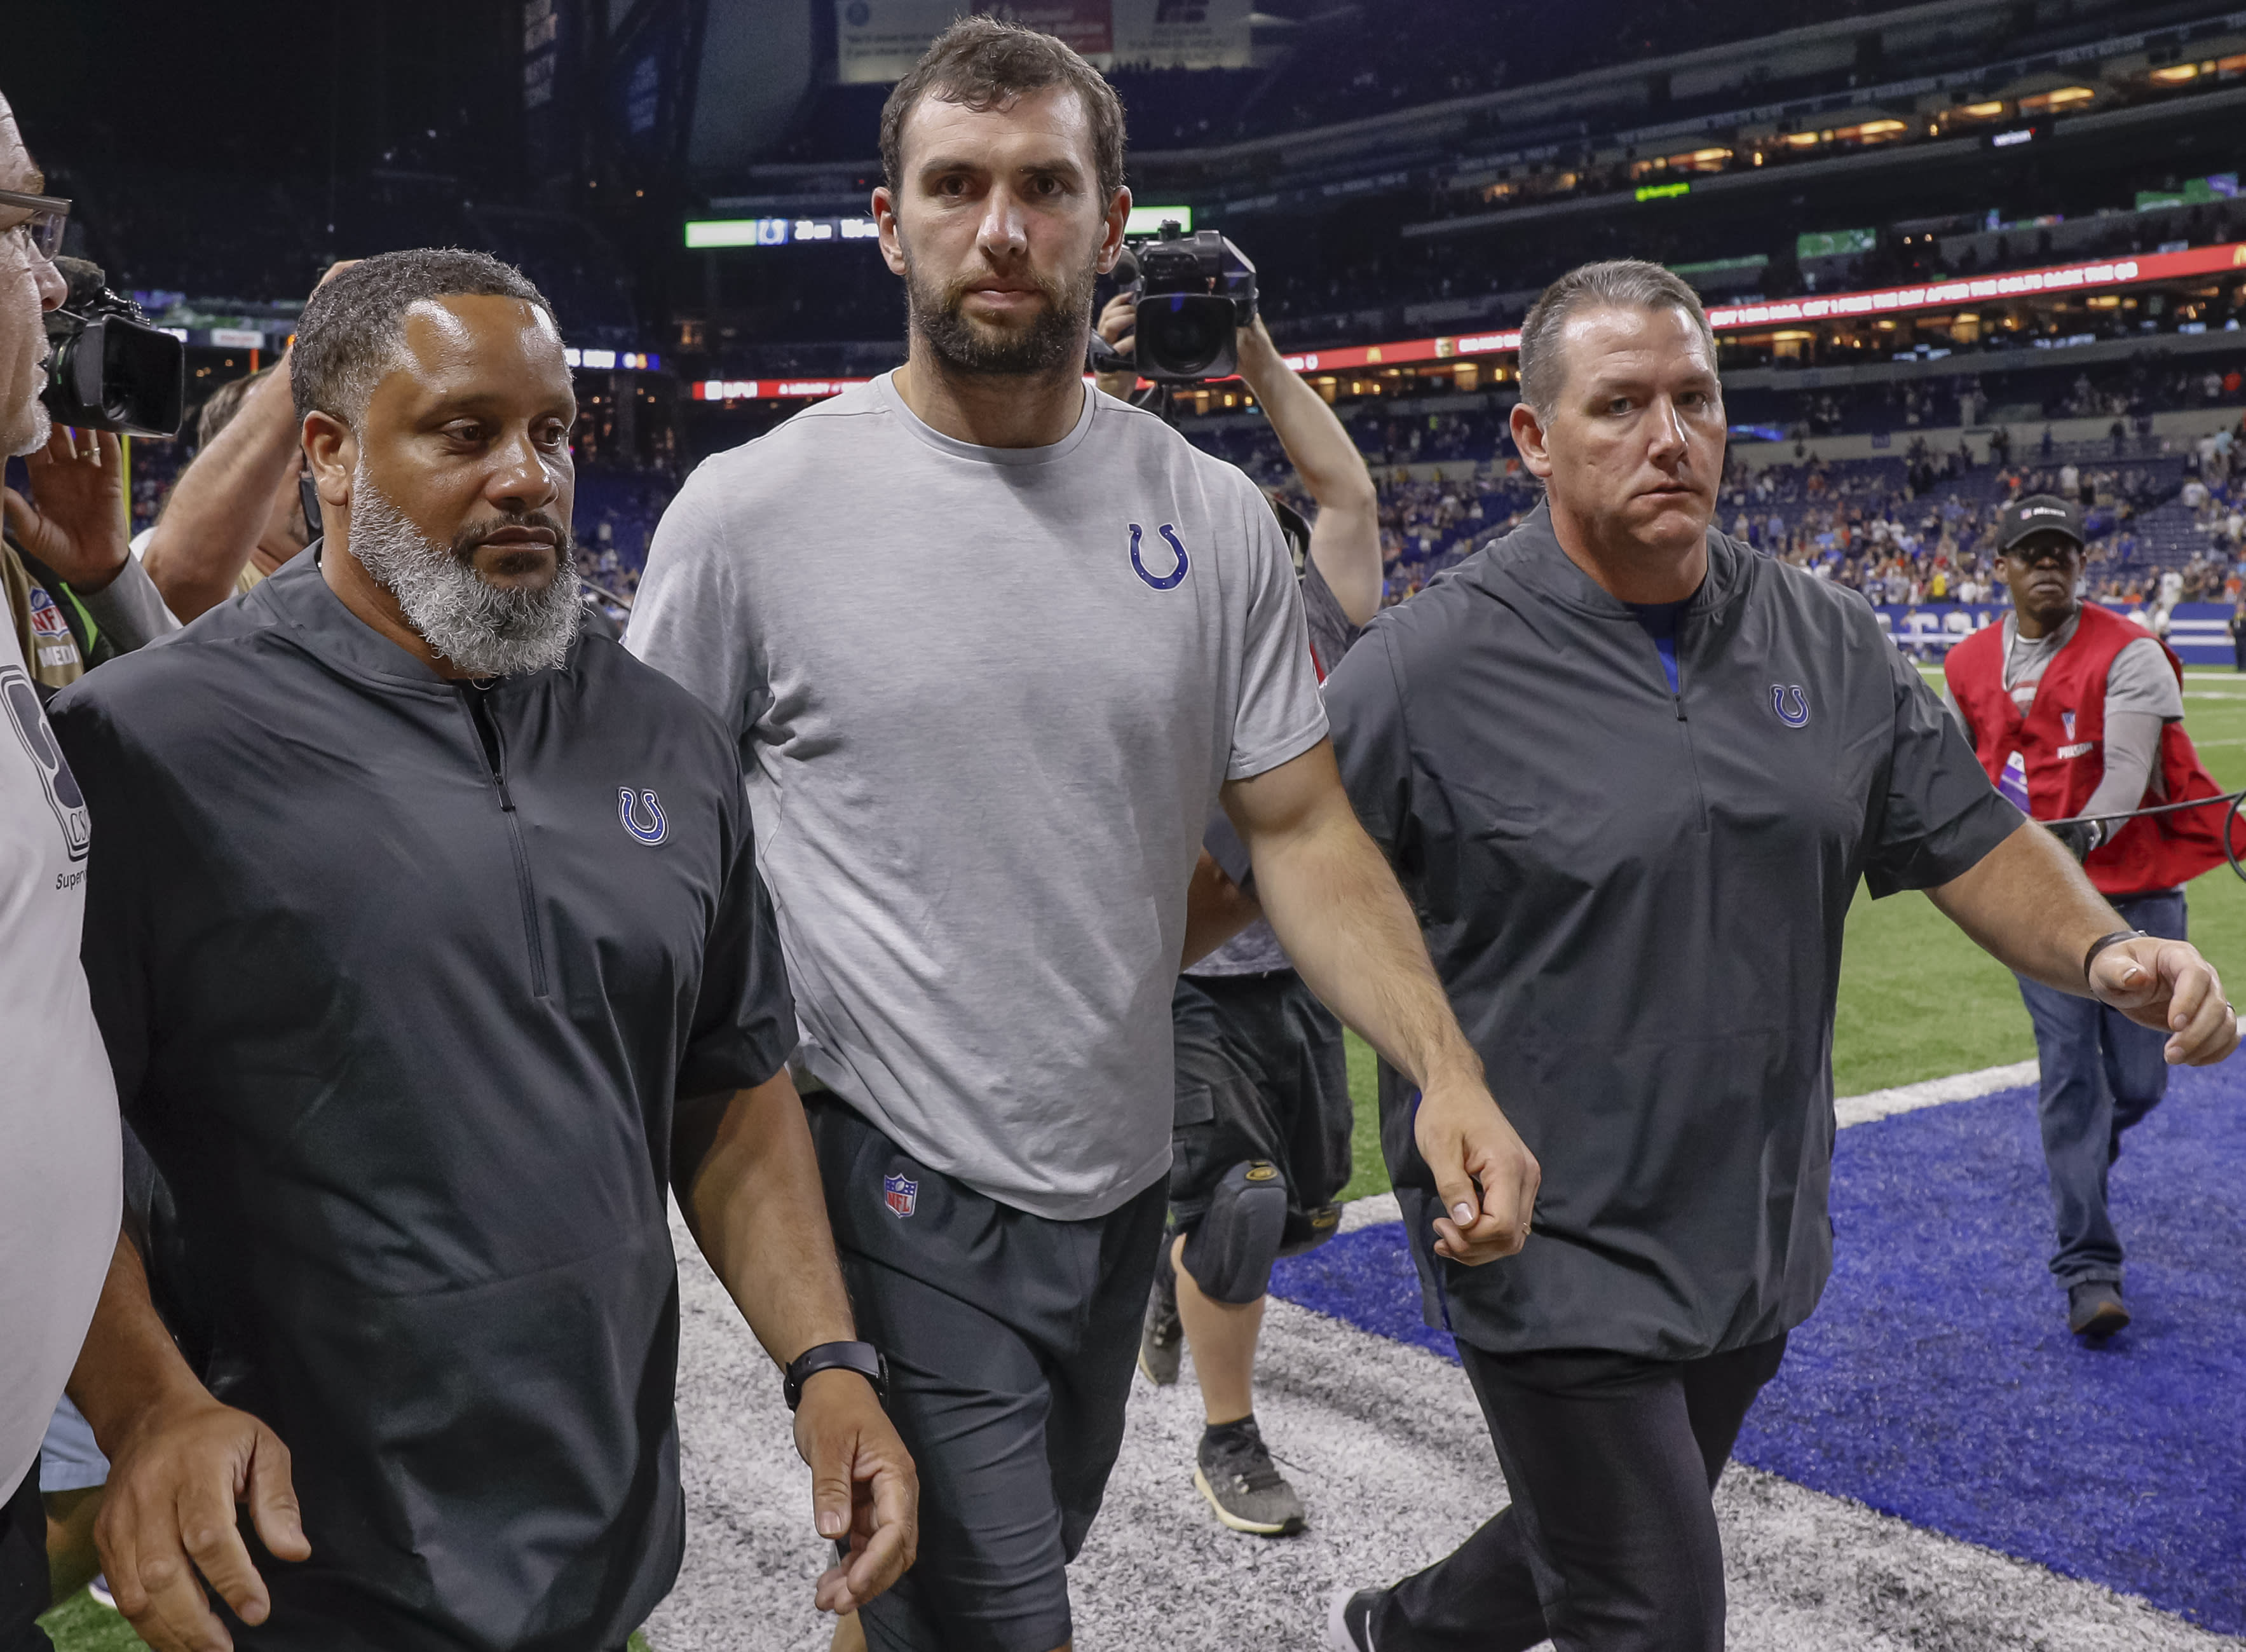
<point x="937" y="316"/>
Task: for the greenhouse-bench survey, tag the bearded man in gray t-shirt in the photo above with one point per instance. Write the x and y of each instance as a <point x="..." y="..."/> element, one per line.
<point x="994" y="644"/>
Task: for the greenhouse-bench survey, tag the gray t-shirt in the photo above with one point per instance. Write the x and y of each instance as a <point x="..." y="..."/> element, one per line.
<point x="2140" y="679"/>
<point x="985" y="699"/>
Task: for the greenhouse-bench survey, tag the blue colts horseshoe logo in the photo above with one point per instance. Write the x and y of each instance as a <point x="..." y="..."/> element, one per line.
<point x="628" y="805"/>
<point x="1166" y="581"/>
<point x="1780" y="693"/>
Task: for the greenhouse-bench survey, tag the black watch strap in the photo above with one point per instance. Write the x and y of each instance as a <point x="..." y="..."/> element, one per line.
<point x="861" y="1357"/>
<point x="2100" y="945"/>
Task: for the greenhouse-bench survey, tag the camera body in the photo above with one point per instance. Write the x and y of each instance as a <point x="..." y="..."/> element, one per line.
<point x="1194" y="292"/>
<point x="107" y="368"/>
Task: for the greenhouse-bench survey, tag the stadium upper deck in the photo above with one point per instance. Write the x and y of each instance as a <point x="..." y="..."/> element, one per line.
<point x="1894" y="147"/>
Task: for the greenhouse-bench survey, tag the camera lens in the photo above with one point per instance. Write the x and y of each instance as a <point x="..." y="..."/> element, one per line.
<point x="1190" y="332"/>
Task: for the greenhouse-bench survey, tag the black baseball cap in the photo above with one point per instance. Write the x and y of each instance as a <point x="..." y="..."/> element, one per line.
<point x="2038" y="514"/>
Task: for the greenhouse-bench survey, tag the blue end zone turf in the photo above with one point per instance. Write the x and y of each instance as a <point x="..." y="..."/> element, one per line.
<point x="1367" y="1279"/>
<point x="1937" y="1381"/>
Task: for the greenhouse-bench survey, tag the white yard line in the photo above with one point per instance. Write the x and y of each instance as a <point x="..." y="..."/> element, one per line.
<point x="1931" y="1092"/>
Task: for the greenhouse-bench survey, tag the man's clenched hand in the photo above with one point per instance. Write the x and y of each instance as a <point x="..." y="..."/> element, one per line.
<point x="2167" y="985"/>
<point x="1484" y="1174"/>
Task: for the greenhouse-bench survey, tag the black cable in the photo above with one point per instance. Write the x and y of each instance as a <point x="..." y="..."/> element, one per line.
<point x="2231" y="798"/>
<point x="2229" y="822"/>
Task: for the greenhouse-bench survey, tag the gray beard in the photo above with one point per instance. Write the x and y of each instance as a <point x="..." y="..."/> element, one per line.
<point x="474" y="626"/>
<point x="42" y="428"/>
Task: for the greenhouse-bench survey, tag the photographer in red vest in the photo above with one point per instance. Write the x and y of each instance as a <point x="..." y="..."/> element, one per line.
<point x="2078" y="715"/>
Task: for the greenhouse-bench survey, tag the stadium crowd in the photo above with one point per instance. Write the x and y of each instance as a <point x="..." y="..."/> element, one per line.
<point x="1917" y="528"/>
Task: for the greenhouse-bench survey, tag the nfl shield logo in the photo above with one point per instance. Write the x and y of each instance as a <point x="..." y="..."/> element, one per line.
<point x="901" y="1194"/>
<point x="2066" y="720"/>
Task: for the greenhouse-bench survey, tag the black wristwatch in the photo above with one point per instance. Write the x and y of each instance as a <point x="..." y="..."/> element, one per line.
<point x="861" y="1357"/>
<point x="2100" y="945"/>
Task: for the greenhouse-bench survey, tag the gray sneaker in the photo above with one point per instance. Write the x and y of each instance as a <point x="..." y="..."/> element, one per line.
<point x="1236" y="1475"/>
<point x="1161" y="1342"/>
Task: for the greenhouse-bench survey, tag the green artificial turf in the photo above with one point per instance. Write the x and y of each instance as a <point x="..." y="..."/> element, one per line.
<point x="83" y="1624"/>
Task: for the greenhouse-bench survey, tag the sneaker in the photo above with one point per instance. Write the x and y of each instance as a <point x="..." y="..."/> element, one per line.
<point x="1162" y="1342"/>
<point x="100" y="1590"/>
<point x="1349" y="1619"/>
<point x="2094" y="1310"/>
<point x="1236" y="1475"/>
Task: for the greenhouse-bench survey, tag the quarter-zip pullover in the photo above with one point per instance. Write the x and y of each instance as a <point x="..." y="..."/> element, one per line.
<point x="1634" y="893"/>
<point x="400" y="979"/>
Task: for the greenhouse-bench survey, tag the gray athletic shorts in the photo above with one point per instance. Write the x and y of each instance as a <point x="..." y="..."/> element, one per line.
<point x="1010" y="1340"/>
<point x="1262" y="1074"/>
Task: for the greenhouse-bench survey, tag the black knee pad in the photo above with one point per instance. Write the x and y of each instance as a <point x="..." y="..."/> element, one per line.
<point x="1230" y="1251"/>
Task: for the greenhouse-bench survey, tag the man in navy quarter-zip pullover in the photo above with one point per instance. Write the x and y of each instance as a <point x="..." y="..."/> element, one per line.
<point x="426" y="936"/>
<point x="1631" y="774"/>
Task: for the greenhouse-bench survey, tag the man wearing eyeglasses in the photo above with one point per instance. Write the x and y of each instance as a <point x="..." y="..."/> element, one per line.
<point x="75" y="595"/>
<point x="58" y="1170"/>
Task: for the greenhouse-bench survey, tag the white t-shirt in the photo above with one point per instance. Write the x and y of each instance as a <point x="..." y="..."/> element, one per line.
<point x="59" y="1174"/>
<point x="985" y="699"/>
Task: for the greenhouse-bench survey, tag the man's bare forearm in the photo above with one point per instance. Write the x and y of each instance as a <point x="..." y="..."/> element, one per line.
<point x="221" y="503"/>
<point x="129" y="1363"/>
<point x="1348" y="932"/>
<point x="756" y="1208"/>
<point x="2030" y="906"/>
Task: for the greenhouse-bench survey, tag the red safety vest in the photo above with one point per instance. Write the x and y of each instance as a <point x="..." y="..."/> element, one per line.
<point x="2061" y="740"/>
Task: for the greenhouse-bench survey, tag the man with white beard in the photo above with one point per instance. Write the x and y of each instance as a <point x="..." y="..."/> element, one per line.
<point x="427" y="938"/>
<point x="58" y="1169"/>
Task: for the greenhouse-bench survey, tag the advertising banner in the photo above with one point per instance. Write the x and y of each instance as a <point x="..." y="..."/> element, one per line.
<point x="878" y="41"/>
<point x="2200" y="632"/>
<point x="1182" y="34"/>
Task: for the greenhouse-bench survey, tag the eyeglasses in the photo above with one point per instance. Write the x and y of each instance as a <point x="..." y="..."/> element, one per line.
<point x="44" y="225"/>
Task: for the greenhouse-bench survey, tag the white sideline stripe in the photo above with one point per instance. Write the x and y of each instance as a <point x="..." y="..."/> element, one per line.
<point x="1849" y="1109"/>
<point x="1931" y="1092"/>
<point x="1370" y="1212"/>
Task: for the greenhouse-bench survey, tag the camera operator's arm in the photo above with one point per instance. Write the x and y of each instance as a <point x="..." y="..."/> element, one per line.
<point x="220" y="505"/>
<point x="1346" y="538"/>
<point x="222" y="502"/>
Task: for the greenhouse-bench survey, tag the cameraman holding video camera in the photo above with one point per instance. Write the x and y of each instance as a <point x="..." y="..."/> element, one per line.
<point x="1263" y="1120"/>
